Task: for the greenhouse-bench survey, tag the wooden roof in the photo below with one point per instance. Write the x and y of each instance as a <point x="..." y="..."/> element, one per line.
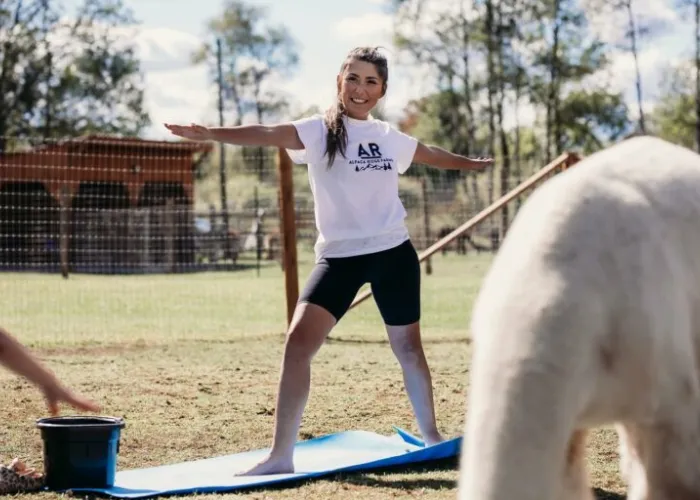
<point x="105" y="143"/>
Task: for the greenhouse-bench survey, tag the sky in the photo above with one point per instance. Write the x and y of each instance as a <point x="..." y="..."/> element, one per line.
<point x="325" y="30"/>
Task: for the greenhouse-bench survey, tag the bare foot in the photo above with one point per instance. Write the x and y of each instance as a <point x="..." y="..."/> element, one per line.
<point x="270" y="465"/>
<point x="431" y="440"/>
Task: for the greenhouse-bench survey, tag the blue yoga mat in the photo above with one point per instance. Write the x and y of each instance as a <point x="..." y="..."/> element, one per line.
<point x="350" y="451"/>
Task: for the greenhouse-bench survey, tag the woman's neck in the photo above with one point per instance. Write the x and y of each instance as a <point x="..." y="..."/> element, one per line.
<point x="359" y="118"/>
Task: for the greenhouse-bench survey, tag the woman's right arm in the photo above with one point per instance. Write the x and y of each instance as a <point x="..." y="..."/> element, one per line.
<point x="283" y="135"/>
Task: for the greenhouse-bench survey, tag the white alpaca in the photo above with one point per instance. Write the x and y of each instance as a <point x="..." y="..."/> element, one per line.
<point x="590" y="315"/>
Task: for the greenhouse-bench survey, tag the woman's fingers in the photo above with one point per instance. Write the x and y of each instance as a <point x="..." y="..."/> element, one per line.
<point x="191" y="132"/>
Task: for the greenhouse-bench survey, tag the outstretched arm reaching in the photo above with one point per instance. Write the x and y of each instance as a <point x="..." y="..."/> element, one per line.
<point x="440" y="158"/>
<point x="282" y="136"/>
<point x="18" y="359"/>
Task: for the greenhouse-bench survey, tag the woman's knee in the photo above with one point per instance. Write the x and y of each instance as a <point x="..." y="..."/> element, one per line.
<point x="299" y="345"/>
<point x="308" y="330"/>
<point x="406" y="343"/>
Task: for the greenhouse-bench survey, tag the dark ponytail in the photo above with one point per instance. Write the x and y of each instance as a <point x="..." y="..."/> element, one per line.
<point x="337" y="137"/>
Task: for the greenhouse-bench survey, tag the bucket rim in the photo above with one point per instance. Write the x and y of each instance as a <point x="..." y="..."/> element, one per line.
<point x="66" y="422"/>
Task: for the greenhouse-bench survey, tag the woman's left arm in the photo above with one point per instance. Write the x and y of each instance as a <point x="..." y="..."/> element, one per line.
<point x="440" y="158"/>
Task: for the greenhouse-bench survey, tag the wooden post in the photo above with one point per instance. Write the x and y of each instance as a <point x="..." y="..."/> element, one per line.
<point x="146" y="252"/>
<point x="64" y="230"/>
<point x="258" y="225"/>
<point x="288" y="231"/>
<point x="426" y="224"/>
<point x="170" y="234"/>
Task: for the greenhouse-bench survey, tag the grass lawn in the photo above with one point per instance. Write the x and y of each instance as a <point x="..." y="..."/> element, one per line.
<point x="191" y="362"/>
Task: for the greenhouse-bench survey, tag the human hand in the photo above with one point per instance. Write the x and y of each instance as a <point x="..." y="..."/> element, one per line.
<point x="481" y="163"/>
<point x="193" y="131"/>
<point x="54" y="393"/>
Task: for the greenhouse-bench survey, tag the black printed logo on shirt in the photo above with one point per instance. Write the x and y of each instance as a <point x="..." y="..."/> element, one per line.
<point x="370" y="158"/>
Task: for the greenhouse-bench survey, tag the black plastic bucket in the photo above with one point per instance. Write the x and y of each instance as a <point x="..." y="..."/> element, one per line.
<point x="80" y="452"/>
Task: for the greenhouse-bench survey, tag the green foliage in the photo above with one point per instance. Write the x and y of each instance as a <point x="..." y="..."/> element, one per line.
<point x="541" y="52"/>
<point x="253" y="55"/>
<point x="592" y="118"/>
<point x="674" y="117"/>
<point x="63" y="77"/>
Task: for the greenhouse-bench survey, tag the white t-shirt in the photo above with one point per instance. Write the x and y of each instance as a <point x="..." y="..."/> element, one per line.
<point x="356" y="201"/>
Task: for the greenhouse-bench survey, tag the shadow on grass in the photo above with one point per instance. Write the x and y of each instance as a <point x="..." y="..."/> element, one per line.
<point x="607" y="495"/>
<point x="376" y="478"/>
<point x="339" y="340"/>
<point x="380" y="478"/>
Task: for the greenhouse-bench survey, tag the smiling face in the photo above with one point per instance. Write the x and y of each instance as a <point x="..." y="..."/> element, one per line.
<point x="360" y="86"/>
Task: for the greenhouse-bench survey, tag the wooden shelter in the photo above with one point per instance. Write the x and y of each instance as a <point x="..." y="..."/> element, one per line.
<point x="111" y="204"/>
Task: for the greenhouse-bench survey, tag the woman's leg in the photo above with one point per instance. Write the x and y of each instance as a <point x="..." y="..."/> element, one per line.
<point x="326" y="297"/>
<point x="309" y="328"/>
<point x="396" y="287"/>
<point x="406" y="344"/>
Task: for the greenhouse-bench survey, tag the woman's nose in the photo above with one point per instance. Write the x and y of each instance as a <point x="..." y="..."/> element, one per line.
<point x="362" y="87"/>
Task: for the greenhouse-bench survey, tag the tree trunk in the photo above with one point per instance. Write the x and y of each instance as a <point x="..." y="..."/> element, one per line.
<point x="633" y="46"/>
<point x="471" y="122"/>
<point x="489" y="29"/>
<point x="49" y="98"/>
<point x="505" y="153"/>
<point x="261" y="150"/>
<point x="9" y="58"/>
<point x="222" y="158"/>
<point x="516" y="153"/>
<point x="552" y="98"/>
<point x="697" y="75"/>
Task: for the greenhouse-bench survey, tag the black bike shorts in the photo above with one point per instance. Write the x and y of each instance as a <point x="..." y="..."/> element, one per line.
<point x="393" y="274"/>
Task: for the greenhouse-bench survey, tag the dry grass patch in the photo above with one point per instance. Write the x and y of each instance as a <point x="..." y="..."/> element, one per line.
<point x="191" y="362"/>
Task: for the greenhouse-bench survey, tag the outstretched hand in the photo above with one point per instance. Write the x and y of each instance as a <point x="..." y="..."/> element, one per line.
<point x="55" y="393"/>
<point x="481" y="163"/>
<point x="193" y="131"/>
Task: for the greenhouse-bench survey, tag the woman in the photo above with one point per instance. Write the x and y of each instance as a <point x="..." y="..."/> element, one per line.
<point x="19" y="360"/>
<point x="353" y="163"/>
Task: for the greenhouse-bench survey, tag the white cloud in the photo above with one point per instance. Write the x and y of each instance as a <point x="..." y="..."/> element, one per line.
<point x="370" y="26"/>
<point x="611" y="26"/>
<point x="406" y="84"/>
<point x="179" y="96"/>
<point x="165" y="49"/>
<point x="178" y="91"/>
<point x="656" y="54"/>
<point x="307" y="92"/>
<point x="407" y="79"/>
<point x="621" y="76"/>
<point x="421" y="18"/>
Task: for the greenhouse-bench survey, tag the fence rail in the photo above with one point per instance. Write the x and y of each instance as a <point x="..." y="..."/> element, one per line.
<point x="561" y="163"/>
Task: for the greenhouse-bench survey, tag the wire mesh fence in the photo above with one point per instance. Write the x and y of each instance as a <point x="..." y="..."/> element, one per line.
<point x="110" y="205"/>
